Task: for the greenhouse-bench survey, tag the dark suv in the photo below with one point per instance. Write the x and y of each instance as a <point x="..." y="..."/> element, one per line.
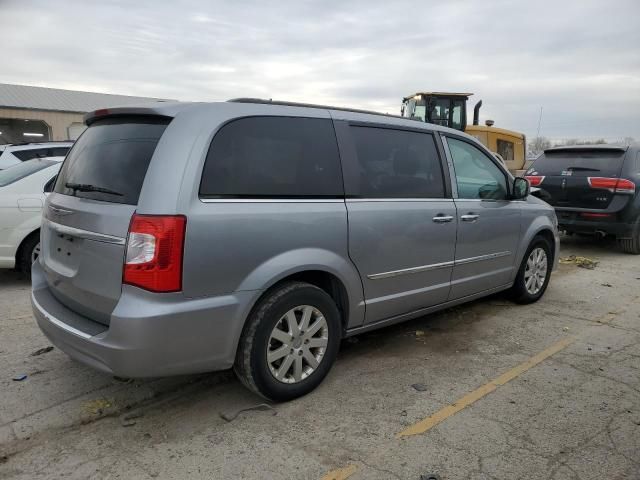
<point x="594" y="189"/>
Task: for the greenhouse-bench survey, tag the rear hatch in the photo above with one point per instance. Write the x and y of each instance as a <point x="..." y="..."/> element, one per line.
<point x="88" y="214"/>
<point x="576" y="177"/>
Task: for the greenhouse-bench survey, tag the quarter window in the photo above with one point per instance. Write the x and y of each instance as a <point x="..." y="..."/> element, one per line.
<point x="396" y="164"/>
<point x="282" y="157"/>
<point x="477" y="176"/>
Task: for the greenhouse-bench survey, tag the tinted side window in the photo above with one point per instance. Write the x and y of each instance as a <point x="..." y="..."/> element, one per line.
<point x="396" y="164"/>
<point x="477" y="176"/>
<point x="280" y="157"/>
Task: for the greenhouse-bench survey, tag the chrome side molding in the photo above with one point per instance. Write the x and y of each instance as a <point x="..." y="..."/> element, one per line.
<point x="436" y="266"/>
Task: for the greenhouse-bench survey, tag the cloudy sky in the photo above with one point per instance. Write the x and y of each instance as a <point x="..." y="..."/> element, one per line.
<point x="579" y="60"/>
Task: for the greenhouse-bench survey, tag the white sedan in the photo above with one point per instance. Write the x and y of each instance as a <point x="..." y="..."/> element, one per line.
<point x="23" y="189"/>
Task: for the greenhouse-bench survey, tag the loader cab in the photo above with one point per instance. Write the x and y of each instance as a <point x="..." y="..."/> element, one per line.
<point x="445" y="109"/>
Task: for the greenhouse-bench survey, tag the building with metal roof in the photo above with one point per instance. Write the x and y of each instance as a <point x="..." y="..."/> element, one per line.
<point x="30" y="114"/>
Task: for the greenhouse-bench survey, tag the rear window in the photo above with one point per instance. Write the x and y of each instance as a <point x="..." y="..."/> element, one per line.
<point x="113" y="156"/>
<point x="273" y="157"/>
<point x="58" y="152"/>
<point x="603" y="163"/>
<point x="31" y="153"/>
<point x="22" y="170"/>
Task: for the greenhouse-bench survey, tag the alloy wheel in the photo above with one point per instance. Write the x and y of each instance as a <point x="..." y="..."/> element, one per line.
<point x="535" y="272"/>
<point x="35" y="253"/>
<point x="297" y="344"/>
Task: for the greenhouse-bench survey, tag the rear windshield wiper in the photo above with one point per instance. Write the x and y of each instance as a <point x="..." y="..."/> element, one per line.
<point x="583" y="169"/>
<point x="85" y="187"/>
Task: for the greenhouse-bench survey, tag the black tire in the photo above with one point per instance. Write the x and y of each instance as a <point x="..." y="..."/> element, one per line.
<point x="631" y="244"/>
<point x="26" y="253"/>
<point x="251" y="364"/>
<point x="518" y="291"/>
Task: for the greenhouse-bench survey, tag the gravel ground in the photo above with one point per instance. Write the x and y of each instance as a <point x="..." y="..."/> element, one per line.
<point x="574" y="414"/>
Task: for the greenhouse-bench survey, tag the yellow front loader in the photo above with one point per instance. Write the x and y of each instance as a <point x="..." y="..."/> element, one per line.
<point x="450" y="110"/>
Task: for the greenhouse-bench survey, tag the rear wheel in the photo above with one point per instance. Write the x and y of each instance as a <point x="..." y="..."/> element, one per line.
<point x="535" y="270"/>
<point x="29" y="252"/>
<point x="289" y="343"/>
<point x="631" y="244"/>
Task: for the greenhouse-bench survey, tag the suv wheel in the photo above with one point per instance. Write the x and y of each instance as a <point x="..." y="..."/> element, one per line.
<point x="535" y="270"/>
<point x="289" y="343"/>
<point x="632" y="243"/>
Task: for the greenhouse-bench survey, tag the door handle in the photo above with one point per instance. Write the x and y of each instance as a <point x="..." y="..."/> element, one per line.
<point x="442" y="218"/>
<point x="469" y="217"/>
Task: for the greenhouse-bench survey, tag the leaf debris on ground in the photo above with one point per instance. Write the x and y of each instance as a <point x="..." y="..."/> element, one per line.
<point x="583" y="262"/>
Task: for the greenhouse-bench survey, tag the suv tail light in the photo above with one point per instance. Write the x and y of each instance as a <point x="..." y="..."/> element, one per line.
<point x="614" y="185"/>
<point x="153" y="258"/>
<point x="534" y="180"/>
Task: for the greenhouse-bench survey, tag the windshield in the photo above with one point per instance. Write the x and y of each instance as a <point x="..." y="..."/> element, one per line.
<point x="22" y="170"/>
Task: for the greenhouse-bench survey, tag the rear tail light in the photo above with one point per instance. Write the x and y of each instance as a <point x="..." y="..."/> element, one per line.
<point x="614" y="185"/>
<point x="153" y="258"/>
<point x="535" y="180"/>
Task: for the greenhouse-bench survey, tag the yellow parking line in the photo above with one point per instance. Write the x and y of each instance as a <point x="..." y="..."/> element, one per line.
<point x="341" y="473"/>
<point x="441" y="415"/>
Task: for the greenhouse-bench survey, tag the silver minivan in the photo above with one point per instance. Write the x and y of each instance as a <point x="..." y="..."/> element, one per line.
<point x="192" y="237"/>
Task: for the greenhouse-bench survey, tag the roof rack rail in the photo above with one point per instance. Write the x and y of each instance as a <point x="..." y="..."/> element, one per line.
<point x="310" y="105"/>
<point x="22" y="144"/>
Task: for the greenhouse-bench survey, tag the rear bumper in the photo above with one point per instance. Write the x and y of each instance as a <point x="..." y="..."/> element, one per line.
<point x="572" y="221"/>
<point x="149" y="335"/>
<point x="593" y="226"/>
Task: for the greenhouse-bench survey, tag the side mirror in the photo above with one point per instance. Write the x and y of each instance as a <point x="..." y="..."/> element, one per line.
<point x="521" y="188"/>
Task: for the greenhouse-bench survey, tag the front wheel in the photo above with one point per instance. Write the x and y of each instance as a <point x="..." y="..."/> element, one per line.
<point x="289" y="342"/>
<point x="534" y="273"/>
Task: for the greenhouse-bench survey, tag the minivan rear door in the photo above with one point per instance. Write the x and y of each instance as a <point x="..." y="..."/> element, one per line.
<point x="87" y="216"/>
<point x="563" y="174"/>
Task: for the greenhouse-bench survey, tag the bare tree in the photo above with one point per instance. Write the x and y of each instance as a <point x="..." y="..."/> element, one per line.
<point x="538" y="145"/>
<point x="581" y="141"/>
<point x="628" y="140"/>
